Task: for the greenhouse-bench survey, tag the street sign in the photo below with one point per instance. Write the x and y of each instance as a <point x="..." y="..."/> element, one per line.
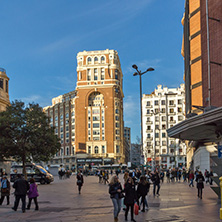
<point x="220" y="151"/>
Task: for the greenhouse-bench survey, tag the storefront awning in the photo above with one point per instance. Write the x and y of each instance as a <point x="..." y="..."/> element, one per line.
<point x="206" y="127"/>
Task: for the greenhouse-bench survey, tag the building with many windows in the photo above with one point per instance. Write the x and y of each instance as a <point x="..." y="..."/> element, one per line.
<point x="62" y="117"/>
<point x="89" y="120"/>
<point x="99" y="105"/>
<point x="163" y="109"/>
<point x="4" y="93"/>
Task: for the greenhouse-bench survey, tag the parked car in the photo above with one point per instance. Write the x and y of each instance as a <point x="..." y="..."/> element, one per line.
<point x="37" y="172"/>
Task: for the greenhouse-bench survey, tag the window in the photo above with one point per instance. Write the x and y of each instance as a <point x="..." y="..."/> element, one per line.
<point x="156" y="126"/>
<point x="116" y="74"/>
<point x="61" y="117"/>
<point x="117" y="132"/>
<point x="67" y="134"/>
<point x="156" y="111"/>
<point x="163" y="110"/>
<point x="102" y="59"/>
<point x="102" y="73"/>
<point x="171" y="102"/>
<point x="163" y="118"/>
<point x="6" y="86"/>
<point x="163" y="102"/>
<point x="96" y="149"/>
<point x="89" y="149"/>
<point x="149" y="127"/>
<point x="117" y="149"/>
<point x="156" y="118"/>
<point x="96" y="118"/>
<point x="88" y="74"/>
<point x="103" y="149"/>
<point x="156" y="103"/>
<point x="56" y="118"/>
<point x="117" y="118"/>
<point x="95" y="74"/>
<point x="95" y="125"/>
<point x="163" y="151"/>
<point x="172" y="150"/>
<point x="148" y="103"/>
<point x="96" y="60"/>
<point x="89" y="125"/>
<point x="171" y="118"/>
<point x="157" y="143"/>
<point x="148" y="143"/>
<point x="95" y="132"/>
<point x="148" y="135"/>
<point x="179" y="110"/>
<point x="117" y="125"/>
<point x="67" y="128"/>
<point x="67" y="151"/>
<point x="61" y="129"/>
<point x="89" y="132"/>
<point x="1" y="83"/>
<point x="89" y="60"/>
<point x="80" y="75"/>
<point x="163" y="143"/>
<point x="148" y="111"/>
<point x="180" y="118"/>
<point x="117" y="111"/>
<point x="157" y="135"/>
<point x="163" y="126"/>
<point x="171" y="110"/>
<point x="67" y="115"/>
<point x="163" y="135"/>
<point x="179" y="101"/>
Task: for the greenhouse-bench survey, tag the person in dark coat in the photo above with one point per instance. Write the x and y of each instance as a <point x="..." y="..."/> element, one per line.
<point x="5" y="189"/>
<point x="130" y="197"/>
<point x="200" y="184"/>
<point x="142" y="190"/>
<point x="21" y="188"/>
<point x="80" y="181"/>
<point x="115" y="191"/>
<point x="156" y="183"/>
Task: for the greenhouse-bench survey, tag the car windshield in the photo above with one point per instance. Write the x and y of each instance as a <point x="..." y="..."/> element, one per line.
<point x="42" y="169"/>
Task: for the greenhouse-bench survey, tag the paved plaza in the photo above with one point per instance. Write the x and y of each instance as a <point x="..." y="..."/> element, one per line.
<point x="60" y="202"/>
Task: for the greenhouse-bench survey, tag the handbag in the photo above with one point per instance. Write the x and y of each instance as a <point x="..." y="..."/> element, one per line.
<point x="4" y="190"/>
<point x="136" y="209"/>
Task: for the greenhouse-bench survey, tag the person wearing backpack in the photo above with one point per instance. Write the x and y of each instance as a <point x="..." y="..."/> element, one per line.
<point x="200" y="184"/>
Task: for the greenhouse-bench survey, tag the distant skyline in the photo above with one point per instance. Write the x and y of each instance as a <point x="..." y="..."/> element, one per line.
<point x="40" y="41"/>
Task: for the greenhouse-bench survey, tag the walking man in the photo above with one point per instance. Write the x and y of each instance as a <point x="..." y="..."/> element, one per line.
<point x="21" y="187"/>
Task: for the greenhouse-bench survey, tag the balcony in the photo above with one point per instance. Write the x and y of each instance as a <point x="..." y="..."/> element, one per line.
<point x="172" y="105"/>
<point x="149" y="122"/>
<point x="149" y="131"/>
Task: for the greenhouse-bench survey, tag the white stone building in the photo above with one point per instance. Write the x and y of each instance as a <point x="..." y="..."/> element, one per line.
<point x="163" y="109"/>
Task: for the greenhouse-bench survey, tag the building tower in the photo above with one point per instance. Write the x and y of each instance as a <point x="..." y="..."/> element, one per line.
<point x="4" y="96"/>
<point x="99" y="105"/>
<point x="162" y="109"/>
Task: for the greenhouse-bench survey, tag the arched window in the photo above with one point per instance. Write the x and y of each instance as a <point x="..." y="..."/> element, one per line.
<point x="96" y="60"/>
<point x="103" y="59"/>
<point x="96" y="99"/>
<point x="89" y="60"/>
<point x="96" y="149"/>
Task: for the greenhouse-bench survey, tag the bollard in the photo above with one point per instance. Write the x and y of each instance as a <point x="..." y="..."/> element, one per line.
<point x="221" y="197"/>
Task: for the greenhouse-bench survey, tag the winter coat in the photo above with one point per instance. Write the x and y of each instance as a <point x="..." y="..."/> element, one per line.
<point x="21" y="186"/>
<point x="33" y="191"/>
<point x="79" y="180"/>
<point x="130" y="194"/>
<point x="200" y="180"/>
<point x="5" y="191"/>
<point x="156" y="179"/>
<point x="113" y="190"/>
<point x="143" y="189"/>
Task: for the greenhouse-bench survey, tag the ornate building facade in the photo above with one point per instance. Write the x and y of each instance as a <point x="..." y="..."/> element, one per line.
<point x="4" y="92"/>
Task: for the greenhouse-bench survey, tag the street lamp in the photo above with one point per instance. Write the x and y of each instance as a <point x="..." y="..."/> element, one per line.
<point x="138" y="72"/>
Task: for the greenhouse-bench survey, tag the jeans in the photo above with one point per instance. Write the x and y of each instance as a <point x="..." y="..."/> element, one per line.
<point x="191" y="182"/>
<point x="145" y="201"/>
<point x="117" y="206"/>
<point x="17" y="199"/>
<point x="154" y="189"/>
<point x="200" y="190"/>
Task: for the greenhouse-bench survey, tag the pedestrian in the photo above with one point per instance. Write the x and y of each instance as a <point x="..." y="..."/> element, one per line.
<point x="115" y="191"/>
<point x="80" y="181"/>
<point x="156" y="183"/>
<point x="200" y="184"/>
<point x="125" y="176"/>
<point x="5" y="189"/>
<point x="142" y="190"/>
<point x="210" y="177"/>
<point x="162" y="176"/>
<point x="191" y="178"/>
<point x="168" y="176"/>
<point x="33" y="194"/>
<point x="130" y="197"/>
<point x="21" y="188"/>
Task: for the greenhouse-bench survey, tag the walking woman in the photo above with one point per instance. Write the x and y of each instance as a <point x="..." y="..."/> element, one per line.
<point x="130" y="197"/>
<point x="142" y="190"/>
<point x="200" y="184"/>
<point x="115" y="191"/>
<point x="80" y="181"/>
<point x="5" y="189"/>
<point x="33" y="194"/>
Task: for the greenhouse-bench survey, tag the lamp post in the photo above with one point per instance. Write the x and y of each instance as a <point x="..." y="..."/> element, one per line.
<point x="138" y="72"/>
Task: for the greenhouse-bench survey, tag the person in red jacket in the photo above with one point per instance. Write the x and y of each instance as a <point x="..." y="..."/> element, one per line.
<point x="191" y="178"/>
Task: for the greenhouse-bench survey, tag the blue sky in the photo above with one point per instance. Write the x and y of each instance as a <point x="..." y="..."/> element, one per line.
<point x="39" y="42"/>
